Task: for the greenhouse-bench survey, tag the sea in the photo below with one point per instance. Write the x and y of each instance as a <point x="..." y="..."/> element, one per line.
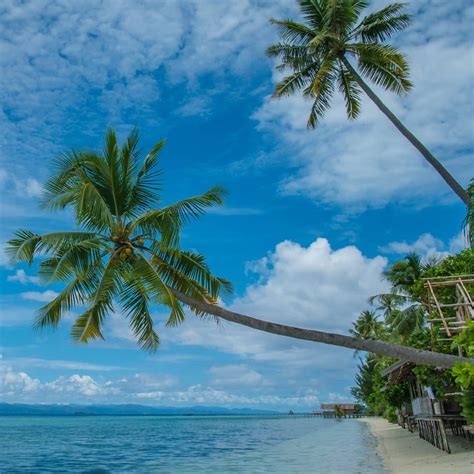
<point x="186" y="444"/>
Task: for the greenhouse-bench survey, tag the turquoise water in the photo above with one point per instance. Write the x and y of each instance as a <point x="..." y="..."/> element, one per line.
<point x="198" y="444"/>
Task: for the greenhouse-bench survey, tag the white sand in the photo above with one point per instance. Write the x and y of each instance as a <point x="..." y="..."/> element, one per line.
<point x="405" y="453"/>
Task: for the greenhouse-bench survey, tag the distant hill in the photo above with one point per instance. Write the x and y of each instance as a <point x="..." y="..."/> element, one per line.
<point x="13" y="409"/>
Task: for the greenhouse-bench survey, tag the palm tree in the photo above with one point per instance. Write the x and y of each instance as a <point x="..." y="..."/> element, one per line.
<point x="388" y="303"/>
<point x="405" y="273"/>
<point x="367" y="326"/>
<point x="318" y="53"/>
<point x="126" y="251"/>
<point x="402" y="314"/>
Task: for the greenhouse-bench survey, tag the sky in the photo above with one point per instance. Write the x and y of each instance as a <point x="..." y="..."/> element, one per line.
<point x="312" y="217"/>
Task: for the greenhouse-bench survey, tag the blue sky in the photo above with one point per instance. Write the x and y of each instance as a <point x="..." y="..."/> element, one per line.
<point x="312" y="217"/>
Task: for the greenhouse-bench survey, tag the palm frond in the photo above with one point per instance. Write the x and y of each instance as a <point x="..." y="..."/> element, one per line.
<point x="406" y="321"/>
<point x="383" y="24"/>
<point x="295" y="82"/>
<point x="23" y="247"/>
<point x="293" y="32"/>
<point x="313" y="12"/>
<point x="135" y="302"/>
<point x="88" y="325"/>
<point x="82" y="182"/>
<point x="384" y="65"/>
<point x="128" y="160"/>
<point x="158" y="289"/>
<point x="144" y="192"/>
<point x="292" y="57"/>
<point x="194" y="266"/>
<point x="321" y="89"/>
<point x="71" y="260"/>
<point x="351" y="93"/>
<point x="75" y="293"/>
<point x="169" y="220"/>
<point x="341" y="15"/>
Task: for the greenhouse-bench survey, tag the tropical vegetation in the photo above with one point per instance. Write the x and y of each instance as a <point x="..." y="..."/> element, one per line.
<point x="319" y="53"/>
<point x="402" y="317"/>
<point x="126" y="248"/>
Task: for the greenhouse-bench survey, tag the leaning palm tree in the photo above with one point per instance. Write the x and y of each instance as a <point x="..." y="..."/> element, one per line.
<point x="318" y="53"/>
<point x="126" y="251"/>
<point x="469" y="219"/>
<point x="127" y="248"/>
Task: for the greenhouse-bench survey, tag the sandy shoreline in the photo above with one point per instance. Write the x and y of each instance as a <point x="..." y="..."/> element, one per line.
<point x="405" y="453"/>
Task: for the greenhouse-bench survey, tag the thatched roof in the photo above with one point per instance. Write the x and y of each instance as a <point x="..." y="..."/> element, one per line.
<point x="398" y="371"/>
<point x="332" y="406"/>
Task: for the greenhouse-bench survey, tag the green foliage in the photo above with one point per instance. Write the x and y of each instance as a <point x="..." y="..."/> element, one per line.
<point x="396" y="395"/>
<point x="315" y="53"/>
<point x="467" y="403"/>
<point x="440" y="380"/>
<point x="369" y="384"/>
<point x="463" y="373"/>
<point x="401" y="316"/>
<point x="338" y="411"/>
<point x="465" y="340"/>
<point x="367" y="326"/>
<point x="126" y="249"/>
<point x="390" y="414"/>
<point x="365" y="381"/>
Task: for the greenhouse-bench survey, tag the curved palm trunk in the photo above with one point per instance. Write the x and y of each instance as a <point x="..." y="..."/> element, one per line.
<point x="455" y="186"/>
<point x="435" y="359"/>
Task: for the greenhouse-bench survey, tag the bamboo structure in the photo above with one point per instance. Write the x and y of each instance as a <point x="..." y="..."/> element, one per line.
<point x="454" y="315"/>
<point x="433" y="431"/>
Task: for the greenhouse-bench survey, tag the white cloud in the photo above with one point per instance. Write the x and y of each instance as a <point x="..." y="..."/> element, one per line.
<point x="60" y="364"/>
<point x="458" y="242"/>
<point x="367" y="163"/>
<point x="41" y="296"/>
<point x="21" y="277"/>
<point x="236" y="375"/>
<point x="235" y="211"/>
<point x="20" y="387"/>
<point x="315" y="287"/>
<point x="427" y="246"/>
<point x="107" y="62"/>
<point x="235" y="42"/>
<point x="75" y="385"/>
<point x="203" y="395"/>
<point x="14" y="383"/>
<point x="20" y="187"/>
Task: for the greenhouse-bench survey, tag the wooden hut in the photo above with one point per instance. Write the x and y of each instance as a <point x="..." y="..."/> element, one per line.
<point x="349" y="409"/>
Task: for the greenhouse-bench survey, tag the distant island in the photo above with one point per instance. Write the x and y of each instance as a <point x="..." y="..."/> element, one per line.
<point x="15" y="409"/>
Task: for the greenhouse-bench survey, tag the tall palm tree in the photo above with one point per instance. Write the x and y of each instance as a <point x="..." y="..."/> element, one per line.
<point x="318" y="52"/>
<point x="126" y="251"/>
<point x="469" y="219"/>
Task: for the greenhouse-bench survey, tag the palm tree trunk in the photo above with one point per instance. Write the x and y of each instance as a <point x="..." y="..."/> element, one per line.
<point x="455" y="186"/>
<point x="410" y="354"/>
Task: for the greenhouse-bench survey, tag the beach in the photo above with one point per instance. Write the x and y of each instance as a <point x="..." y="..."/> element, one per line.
<point x="405" y="453"/>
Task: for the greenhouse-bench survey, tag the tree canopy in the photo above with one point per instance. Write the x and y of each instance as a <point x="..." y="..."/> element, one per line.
<point x="125" y="251"/>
